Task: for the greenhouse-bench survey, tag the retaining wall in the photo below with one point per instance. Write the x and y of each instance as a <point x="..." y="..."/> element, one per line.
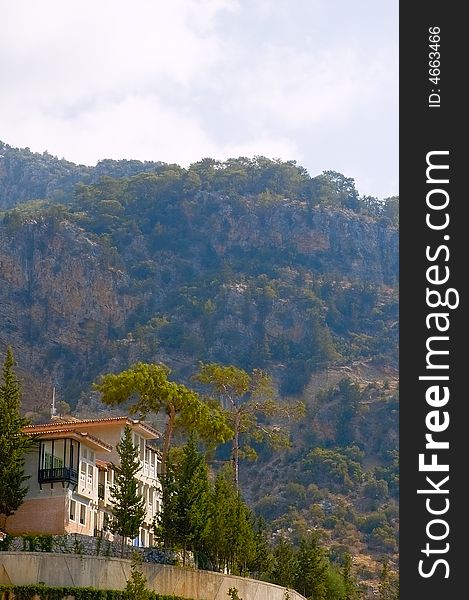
<point x="21" y="568"/>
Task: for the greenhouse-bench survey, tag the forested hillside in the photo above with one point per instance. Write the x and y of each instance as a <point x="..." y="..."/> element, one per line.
<point x="251" y="262"/>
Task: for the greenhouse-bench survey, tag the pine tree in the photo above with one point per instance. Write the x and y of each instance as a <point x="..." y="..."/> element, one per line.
<point x="311" y="574"/>
<point x="285" y="564"/>
<point x="128" y="508"/>
<point x="230" y="531"/>
<point x="350" y="583"/>
<point x="247" y="400"/>
<point x="388" y="583"/>
<point x="263" y="560"/>
<point x="155" y="393"/>
<point x="192" y="498"/>
<point x="165" y="529"/>
<point x="13" y="443"/>
<point x="136" y="586"/>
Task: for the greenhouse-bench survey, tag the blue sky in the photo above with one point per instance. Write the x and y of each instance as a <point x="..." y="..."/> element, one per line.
<point x="314" y="81"/>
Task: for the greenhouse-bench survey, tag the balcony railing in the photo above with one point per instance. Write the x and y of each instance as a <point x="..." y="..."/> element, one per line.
<point x="57" y="475"/>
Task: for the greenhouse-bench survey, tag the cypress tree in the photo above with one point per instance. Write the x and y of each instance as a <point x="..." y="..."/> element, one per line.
<point x="350" y="583"/>
<point x="192" y="498"/>
<point x="128" y="507"/>
<point x="285" y="564"/>
<point x="165" y="524"/>
<point x="13" y="443"/>
<point x="136" y="586"/>
<point x="311" y="574"/>
<point x="230" y="531"/>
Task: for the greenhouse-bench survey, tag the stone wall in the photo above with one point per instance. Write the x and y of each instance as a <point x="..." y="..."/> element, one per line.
<point x="22" y="568"/>
<point x="85" y="545"/>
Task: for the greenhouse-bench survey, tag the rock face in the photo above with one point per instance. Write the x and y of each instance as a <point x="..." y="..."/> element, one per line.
<point x="322" y="239"/>
<point x="251" y="262"/>
<point x="56" y="299"/>
<point x="246" y="284"/>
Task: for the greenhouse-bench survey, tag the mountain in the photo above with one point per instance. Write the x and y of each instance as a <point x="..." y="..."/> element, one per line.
<point x="26" y="175"/>
<point x="249" y="261"/>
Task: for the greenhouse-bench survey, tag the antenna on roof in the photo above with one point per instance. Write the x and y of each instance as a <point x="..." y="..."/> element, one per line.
<point x="53" y="409"/>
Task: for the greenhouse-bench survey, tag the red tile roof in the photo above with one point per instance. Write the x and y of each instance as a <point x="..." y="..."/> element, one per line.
<point x="53" y="431"/>
<point x="75" y="423"/>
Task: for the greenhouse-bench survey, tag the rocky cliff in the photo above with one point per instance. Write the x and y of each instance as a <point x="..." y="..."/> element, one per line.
<point x="284" y="286"/>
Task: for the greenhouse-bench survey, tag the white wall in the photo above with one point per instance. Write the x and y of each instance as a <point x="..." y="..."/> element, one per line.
<point x="111" y="573"/>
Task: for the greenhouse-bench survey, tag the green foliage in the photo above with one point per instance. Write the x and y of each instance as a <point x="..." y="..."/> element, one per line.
<point x="46" y="592"/>
<point x="165" y="529"/>
<point x="13" y="443"/>
<point x="332" y="468"/>
<point x="351" y="591"/>
<point x="38" y="543"/>
<point x="6" y="542"/>
<point x="230" y="536"/>
<point x="155" y="393"/>
<point x="391" y="210"/>
<point x="233" y="594"/>
<point x="285" y="564"/>
<point x="308" y="569"/>
<point x="128" y="507"/>
<point x="193" y="497"/>
<point x="136" y="586"/>
<point x="186" y="502"/>
<point x="388" y="588"/>
<point x="310" y="576"/>
<point x="246" y="400"/>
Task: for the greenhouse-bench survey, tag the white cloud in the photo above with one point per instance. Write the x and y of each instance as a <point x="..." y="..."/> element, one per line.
<point x="176" y="81"/>
<point x="302" y="89"/>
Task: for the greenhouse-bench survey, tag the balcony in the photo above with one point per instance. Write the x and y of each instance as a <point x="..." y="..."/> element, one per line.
<point x="57" y="475"/>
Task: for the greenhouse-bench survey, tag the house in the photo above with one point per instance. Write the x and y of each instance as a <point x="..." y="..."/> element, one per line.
<point x="71" y="473"/>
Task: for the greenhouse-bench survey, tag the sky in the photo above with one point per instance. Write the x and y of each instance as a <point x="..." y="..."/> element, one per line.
<point x="314" y="81"/>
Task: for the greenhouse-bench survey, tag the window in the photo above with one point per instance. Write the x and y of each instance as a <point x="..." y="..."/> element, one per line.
<point x="52" y="462"/>
<point x="82" y="514"/>
<point x="139" y="442"/>
<point x="90" y="476"/>
<point x="57" y="460"/>
<point x="73" y="508"/>
<point x="87" y="454"/>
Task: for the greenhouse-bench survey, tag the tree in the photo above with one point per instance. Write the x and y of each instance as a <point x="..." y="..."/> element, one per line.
<point x="246" y="399"/>
<point x="154" y="392"/>
<point x="13" y="443"/>
<point x="350" y="584"/>
<point x="136" y="586"/>
<point x="391" y="209"/>
<point x="165" y="526"/>
<point x="262" y="562"/>
<point x="310" y="577"/>
<point x="128" y="507"/>
<point x="230" y="534"/>
<point x="388" y="588"/>
<point x="191" y="503"/>
<point x="285" y="564"/>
